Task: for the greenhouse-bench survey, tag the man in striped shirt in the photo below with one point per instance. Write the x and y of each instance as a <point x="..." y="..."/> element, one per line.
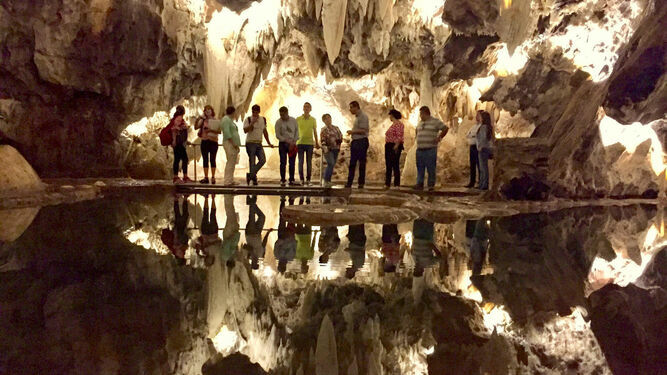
<point x="429" y="133"/>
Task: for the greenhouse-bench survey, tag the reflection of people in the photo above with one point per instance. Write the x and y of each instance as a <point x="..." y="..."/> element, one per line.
<point x="478" y="245"/>
<point x="209" y="243"/>
<point x="357" y="248"/>
<point x="328" y="243"/>
<point x="285" y="246"/>
<point x="390" y="247"/>
<point x="230" y="234"/>
<point x="253" y="232"/>
<point x="177" y="239"/>
<point x="424" y="250"/>
<point x="305" y="245"/>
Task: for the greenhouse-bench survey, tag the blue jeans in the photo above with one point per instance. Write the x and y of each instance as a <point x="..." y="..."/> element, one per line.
<point x="484" y="168"/>
<point x="255" y="150"/>
<point x="331" y="157"/>
<point x="426" y="160"/>
<point x="308" y="150"/>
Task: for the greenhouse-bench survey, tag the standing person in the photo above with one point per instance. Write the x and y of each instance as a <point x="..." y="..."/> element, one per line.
<point x="254" y="127"/>
<point x="430" y="131"/>
<point x="307" y="137"/>
<point x="359" y="145"/>
<point x="392" y="149"/>
<point x="471" y="137"/>
<point x="485" y="142"/>
<point x="208" y="133"/>
<point x="287" y="132"/>
<point x="331" y="140"/>
<point x="231" y="143"/>
<point x="179" y="136"/>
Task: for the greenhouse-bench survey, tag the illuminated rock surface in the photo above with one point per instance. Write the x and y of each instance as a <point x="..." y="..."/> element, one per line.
<point x="80" y="77"/>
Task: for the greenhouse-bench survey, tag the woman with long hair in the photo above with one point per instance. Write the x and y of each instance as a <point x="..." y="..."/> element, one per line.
<point x="484" y="143"/>
<point x="179" y="132"/>
<point x="392" y="149"/>
<point x="473" y="154"/>
<point x="208" y="133"/>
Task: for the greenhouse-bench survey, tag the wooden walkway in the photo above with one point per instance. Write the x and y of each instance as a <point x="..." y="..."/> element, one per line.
<point x="314" y="190"/>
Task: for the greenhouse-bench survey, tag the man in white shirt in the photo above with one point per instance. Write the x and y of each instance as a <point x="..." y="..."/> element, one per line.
<point x="287" y="132"/>
<point x="254" y="127"/>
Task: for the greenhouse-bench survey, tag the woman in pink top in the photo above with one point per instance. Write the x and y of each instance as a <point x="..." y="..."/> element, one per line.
<point x="393" y="148"/>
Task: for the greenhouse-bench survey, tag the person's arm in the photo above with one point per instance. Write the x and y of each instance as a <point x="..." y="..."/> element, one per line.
<point x="266" y="136"/>
<point x="317" y="143"/>
<point x="279" y="131"/>
<point x="248" y="126"/>
<point x="443" y="132"/>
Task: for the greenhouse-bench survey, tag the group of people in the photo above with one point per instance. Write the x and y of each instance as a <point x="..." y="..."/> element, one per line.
<point x="299" y="137"/>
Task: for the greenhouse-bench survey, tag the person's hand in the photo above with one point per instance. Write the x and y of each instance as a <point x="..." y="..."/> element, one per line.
<point x="349" y="132"/>
<point x="317" y="145"/>
<point x="396" y="146"/>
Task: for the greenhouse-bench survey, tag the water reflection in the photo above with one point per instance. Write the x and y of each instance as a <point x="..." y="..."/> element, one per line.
<point x="403" y="297"/>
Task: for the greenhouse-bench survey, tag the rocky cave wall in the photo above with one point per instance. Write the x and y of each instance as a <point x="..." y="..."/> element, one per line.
<point x="75" y="74"/>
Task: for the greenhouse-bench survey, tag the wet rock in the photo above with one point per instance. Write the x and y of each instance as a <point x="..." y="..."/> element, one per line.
<point x="231" y="365"/>
<point x="521" y="169"/>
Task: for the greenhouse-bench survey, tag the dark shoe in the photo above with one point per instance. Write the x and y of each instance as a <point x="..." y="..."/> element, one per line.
<point x="431" y="188"/>
<point x="186" y="179"/>
<point x="294" y="183"/>
<point x="283" y="183"/>
<point x="361" y="186"/>
<point x="247" y="178"/>
<point x="254" y="180"/>
<point x="348" y="186"/>
<point x="418" y="187"/>
<point x="204" y="181"/>
<point x="212" y="180"/>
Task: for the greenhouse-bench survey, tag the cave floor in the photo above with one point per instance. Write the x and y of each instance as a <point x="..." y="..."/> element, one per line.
<point x="143" y="273"/>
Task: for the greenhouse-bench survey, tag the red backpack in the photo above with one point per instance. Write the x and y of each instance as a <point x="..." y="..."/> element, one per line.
<point x="166" y="137"/>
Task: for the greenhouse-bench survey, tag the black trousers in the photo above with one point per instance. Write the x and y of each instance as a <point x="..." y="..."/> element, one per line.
<point x="209" y="151"/>
<point x="209" y="222"/>
<point x="392" y="161"/>
<point x="474" y="161"/>
<point x="180" y="155"/>
<point x="359" y="151"/>
<point x="283" y="151"/>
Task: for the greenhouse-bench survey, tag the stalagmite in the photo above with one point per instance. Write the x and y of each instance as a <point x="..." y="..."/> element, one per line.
<point x="333" y="25"/>
<point x="318" y="8"/>
<point x="326" y="362"/>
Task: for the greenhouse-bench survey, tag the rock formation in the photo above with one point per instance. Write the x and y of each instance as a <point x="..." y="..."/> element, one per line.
<point x="76" y="75"/>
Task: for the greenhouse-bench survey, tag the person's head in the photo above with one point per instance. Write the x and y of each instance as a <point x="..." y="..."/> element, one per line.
<point x="478" y="117"/>
<point x="208" y="111"/>
<point x="230" y="263"/>
<point x="255" y="110"/>
<point x="180" y="111"/>
<point x="486" y="120"/>
<point x="424" y="113"/>
<point x="307" y="108"/>
<point x="230" y="110"/>
<point x="284" y="113"/>
<point x="395" y="115"/>
<point x="354" y="107"/>
<point x="326" y="119"/>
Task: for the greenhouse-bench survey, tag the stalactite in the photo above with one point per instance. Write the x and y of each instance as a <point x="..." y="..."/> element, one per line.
<point x="333" y="24"/>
